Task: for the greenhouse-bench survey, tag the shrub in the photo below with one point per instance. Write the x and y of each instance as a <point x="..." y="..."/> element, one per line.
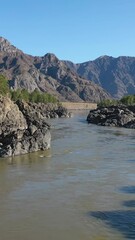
<point x="35" y="96"/>
<point x="107" y="103"/>
<point x="4" y="87"/>
<point x="128" y="100"/>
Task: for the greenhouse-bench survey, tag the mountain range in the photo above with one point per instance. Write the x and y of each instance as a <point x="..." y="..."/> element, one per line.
<point x="92" y="81"/>
<point x="115" y="75"/>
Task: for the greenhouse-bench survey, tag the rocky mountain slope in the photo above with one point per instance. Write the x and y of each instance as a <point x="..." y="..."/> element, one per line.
<point x="115" y="75"/>
<point x="47" y="74"/>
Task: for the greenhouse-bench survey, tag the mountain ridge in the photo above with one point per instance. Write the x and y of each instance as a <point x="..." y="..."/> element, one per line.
<point x="93" y="80"/>
<point x="47" y="74"/>
<point x="115" y="75"/>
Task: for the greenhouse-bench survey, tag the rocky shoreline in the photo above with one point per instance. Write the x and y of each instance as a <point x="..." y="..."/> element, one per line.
<point x="23" y="126"/>
<point x="114" y="116"/>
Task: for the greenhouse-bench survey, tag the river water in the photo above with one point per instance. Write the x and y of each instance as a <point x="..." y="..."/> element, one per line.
<point x="81" y="189"/>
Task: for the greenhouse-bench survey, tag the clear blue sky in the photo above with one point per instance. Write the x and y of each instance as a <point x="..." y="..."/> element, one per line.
<point x="76" y="30"/>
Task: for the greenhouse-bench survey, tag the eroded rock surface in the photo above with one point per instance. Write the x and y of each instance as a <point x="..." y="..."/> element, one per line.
<point x="24" y="127"/>
<point x="118" y="116"/>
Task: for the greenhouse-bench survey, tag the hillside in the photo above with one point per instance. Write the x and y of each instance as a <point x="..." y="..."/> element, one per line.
<point x="47" y="74"/>
<point x="115" y="75"/>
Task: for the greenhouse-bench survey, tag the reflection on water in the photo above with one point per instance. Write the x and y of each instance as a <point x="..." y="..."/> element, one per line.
<point x="82" y="188"/>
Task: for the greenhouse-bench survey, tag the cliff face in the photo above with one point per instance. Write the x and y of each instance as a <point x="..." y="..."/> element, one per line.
<point x="10" y="117"/>
<point x="115" y="75"/>
<point x="47" y="74"/>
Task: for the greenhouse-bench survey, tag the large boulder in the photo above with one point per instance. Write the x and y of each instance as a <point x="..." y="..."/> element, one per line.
<point x="118" y="116"/>
<point x="21" y="131"/>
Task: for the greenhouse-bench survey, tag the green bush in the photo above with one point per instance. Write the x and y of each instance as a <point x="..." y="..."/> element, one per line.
<point x="128" y="100"/>
<point x="23" y="94"/>
<point x="4" y="87"/>
<point x="15" y="94"/>
<point x="35" y="96"/>
<point x="107" y="103"/>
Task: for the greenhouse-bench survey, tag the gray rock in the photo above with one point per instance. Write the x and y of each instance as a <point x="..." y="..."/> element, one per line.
<point x="21" y="130"/>
<point x="23" y="126"/>
<point x="118" y="116"/>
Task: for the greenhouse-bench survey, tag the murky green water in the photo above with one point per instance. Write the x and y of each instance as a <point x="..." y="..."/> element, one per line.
<point x="81" y="189"/>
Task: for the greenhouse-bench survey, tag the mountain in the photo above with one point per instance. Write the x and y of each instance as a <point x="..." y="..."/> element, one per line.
<point x="47" y="74"/>
<point x="115" y="75"/>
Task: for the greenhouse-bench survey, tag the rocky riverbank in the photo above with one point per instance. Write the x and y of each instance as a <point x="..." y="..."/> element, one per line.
<point x="23" y="126"/>
<point x="115" y="116"/>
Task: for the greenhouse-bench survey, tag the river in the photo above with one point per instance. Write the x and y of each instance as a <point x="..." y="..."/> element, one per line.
<point x="81" y="189"/>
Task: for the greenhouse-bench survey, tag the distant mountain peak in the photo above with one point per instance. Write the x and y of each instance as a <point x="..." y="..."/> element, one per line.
<point x="5" y="46"/>
<point x="104" y="57"/>
<point x="50" y="57"/>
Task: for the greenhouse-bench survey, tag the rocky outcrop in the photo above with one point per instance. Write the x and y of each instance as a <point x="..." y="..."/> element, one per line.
<point x="5" y="46"/>
<point x="115" y="116"/>
<point x="23" y="126"/>
<point x="21" y="132"/>
<point x="41" y="111"/>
